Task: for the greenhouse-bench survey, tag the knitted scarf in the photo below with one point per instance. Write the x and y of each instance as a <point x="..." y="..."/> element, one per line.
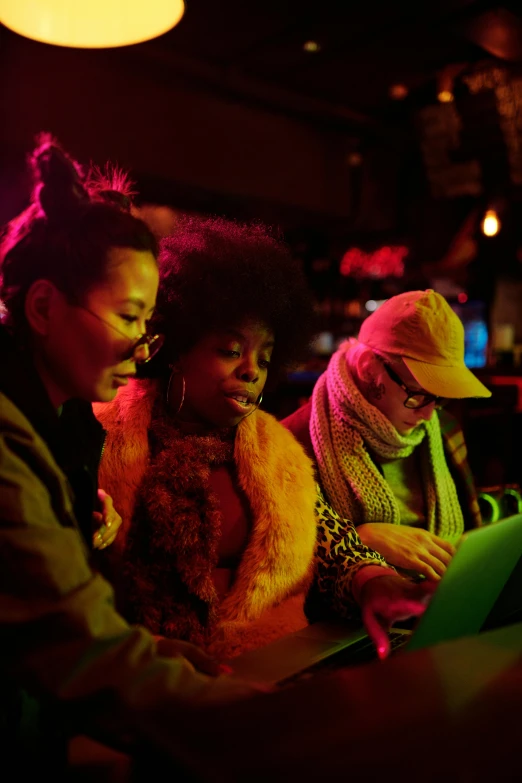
<point x="345" y="428"/>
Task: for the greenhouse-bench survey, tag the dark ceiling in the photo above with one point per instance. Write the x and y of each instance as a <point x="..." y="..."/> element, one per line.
<point x="251" y="52"/>
<point x="255" y="49"/>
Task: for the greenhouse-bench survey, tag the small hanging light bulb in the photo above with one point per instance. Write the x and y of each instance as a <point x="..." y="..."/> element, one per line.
<point x="445" y="96"/>
<point x="491" y="223"/>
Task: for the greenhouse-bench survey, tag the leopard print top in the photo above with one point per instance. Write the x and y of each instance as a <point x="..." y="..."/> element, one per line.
<point x="340" y="553"/>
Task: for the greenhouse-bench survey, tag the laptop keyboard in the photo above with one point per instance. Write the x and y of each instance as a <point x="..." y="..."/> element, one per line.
<point x="356" y="654"/>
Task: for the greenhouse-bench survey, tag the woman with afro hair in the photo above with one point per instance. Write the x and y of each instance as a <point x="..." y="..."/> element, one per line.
<point x="219" y="502"/>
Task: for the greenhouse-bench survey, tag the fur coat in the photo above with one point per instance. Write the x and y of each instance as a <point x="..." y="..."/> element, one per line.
<point x="165" y="552"/>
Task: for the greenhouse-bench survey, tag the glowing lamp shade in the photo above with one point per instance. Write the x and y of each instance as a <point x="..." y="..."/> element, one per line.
<point x="91" y="24"/>
<point x="491" y="223"/>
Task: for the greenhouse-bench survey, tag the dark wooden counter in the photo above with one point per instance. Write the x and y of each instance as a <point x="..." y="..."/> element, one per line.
<point x="452" y="712"/>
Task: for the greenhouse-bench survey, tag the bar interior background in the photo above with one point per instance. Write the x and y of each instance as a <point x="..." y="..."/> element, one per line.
<point x="385" y="143"/>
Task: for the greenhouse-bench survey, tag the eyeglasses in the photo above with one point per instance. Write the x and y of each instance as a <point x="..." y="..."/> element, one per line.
<point x="152" y="341"/>
<point x="414" y="399"/>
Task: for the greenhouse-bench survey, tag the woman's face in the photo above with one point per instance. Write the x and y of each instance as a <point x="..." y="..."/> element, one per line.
<point x="386" y="395"/>
<point x="225" y="373"/>
<point x="85" y="353"/>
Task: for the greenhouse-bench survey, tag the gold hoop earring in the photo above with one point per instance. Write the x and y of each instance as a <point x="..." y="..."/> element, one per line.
<point x="173" y="373"/>
<point x="256" y="406"/>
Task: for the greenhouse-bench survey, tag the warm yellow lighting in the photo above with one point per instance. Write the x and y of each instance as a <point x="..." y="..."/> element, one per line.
<point x="445" y="96"/>
<point x="311" y="46"/>
<point x="91" y="24"/>
<point x="491" y="223"/>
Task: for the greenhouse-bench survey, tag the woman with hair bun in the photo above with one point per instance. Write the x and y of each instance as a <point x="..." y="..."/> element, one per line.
<point x="219" y="502"/>
<point x="76" y="254"/>
<point x="79" y="278"/>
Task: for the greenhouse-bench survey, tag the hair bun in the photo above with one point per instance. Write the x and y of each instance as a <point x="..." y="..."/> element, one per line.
<point x="116" y="197"/>
<point x="112" y="185"/>
<point x="59" y="185"/>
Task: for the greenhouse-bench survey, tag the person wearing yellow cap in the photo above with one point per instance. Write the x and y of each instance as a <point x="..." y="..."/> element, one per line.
<point x="388" y="457"/>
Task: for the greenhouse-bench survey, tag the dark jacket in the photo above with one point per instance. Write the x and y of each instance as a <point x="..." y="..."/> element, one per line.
<point x="75" y="437"/>
<point x="68" y="662"/>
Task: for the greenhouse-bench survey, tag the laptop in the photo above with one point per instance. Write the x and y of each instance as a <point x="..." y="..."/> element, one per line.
<point x="464" y="603"/>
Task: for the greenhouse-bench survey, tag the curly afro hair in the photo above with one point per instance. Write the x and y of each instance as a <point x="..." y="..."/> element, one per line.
<point x="216" y="274"/>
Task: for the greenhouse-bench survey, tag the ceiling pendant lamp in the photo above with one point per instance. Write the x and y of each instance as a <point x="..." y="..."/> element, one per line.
<point x="91" y="24"/>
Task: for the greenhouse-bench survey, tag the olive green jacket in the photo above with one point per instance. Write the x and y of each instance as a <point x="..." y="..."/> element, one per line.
<point x="61" y="639"/>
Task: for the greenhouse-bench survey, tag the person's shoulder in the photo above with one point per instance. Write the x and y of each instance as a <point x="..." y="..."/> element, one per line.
<point x="449" y="424"/>
<point x="269" y="429"/>
<point x="132" y="407"/>
<point x="12" y="420"/>
<point x="264" y="434"/>
<point x="24" y="455"/>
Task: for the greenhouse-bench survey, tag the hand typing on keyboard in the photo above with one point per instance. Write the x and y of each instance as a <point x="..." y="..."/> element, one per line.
<point x="410" y="548"/>
<point x="386" y="599"/>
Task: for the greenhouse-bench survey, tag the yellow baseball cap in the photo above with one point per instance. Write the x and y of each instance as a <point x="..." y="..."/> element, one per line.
<point x="421" y="328"/>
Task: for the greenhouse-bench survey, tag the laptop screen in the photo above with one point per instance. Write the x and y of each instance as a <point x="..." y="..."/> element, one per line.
<point x="472" y="583"/>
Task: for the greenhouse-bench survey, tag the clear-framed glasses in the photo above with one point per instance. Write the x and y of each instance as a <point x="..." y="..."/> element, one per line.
<point x="152" y="341"/>
<point x="414" y="399"/>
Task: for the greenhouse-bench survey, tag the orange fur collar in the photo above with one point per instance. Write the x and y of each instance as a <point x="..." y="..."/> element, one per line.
<point x="174" y="521"/>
